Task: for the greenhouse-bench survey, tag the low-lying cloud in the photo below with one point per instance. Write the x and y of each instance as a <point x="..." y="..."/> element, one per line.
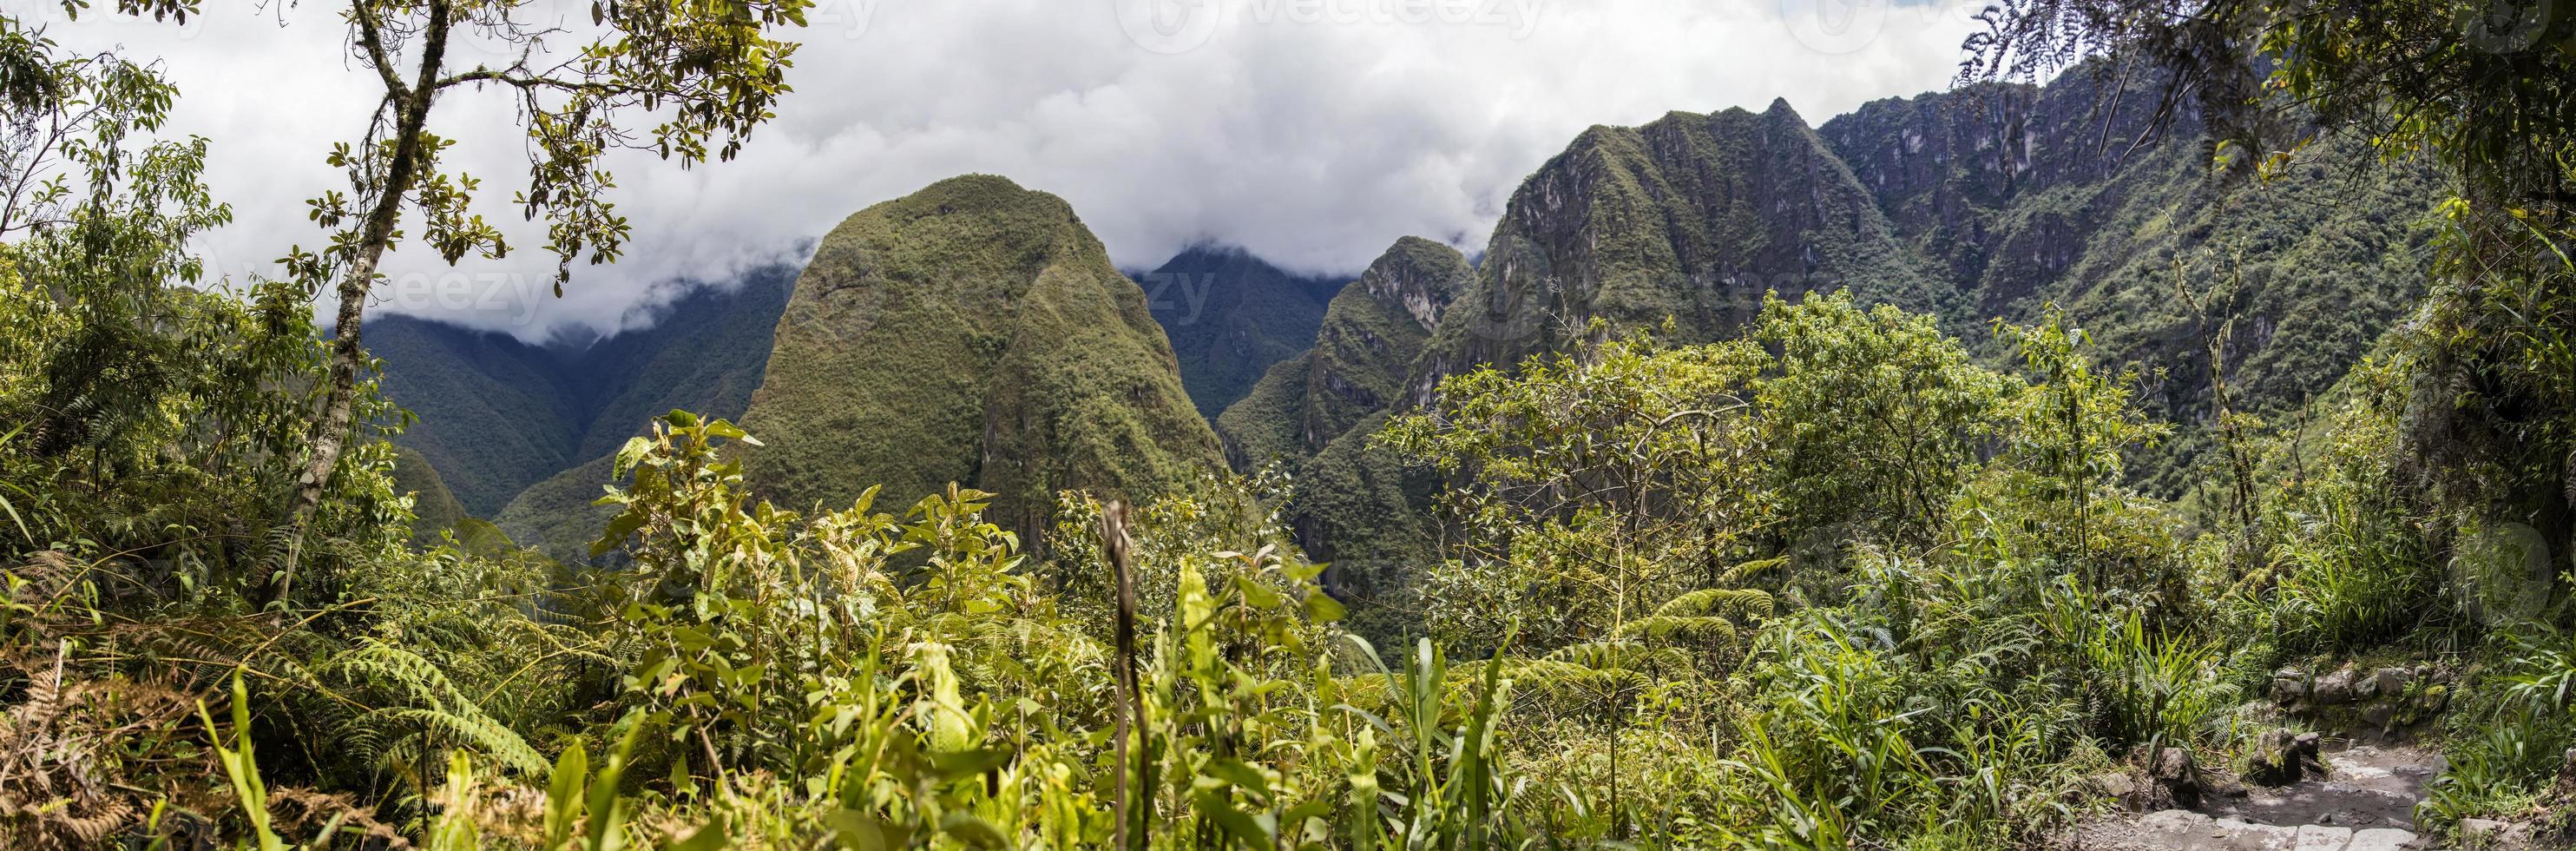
<point x="1310" y="132"/>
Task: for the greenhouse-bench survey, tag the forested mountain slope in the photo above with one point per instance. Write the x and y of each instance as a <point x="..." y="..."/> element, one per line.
<point x="1365" y="348"/>
<point x="2024" y="196"/>
<point x="1984" y="203"/>
<point x="497" y="415"/>
<point x="1691" y="217"/>
<point x="973" y="332"/>
<point x="1229" y="317"/>
<point x="494" y="414"/>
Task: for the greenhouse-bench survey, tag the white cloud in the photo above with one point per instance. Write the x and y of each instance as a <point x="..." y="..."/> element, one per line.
<point x="1312" y="132"/>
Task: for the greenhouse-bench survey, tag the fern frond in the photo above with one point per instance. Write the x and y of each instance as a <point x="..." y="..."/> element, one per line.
<point x="448" y="709"/>
<point x="1693" y="628"/>
<point x="1718" y="602"/>
<point x="478" y="730"/>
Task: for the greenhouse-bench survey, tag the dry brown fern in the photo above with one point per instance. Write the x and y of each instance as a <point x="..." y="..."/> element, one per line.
<point x="76" y="756"/>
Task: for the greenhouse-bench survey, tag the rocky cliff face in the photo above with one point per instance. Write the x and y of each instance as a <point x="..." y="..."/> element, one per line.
<point x="1371" y="335"/>
<point x="973" y="332"/>
<point x="2025" y="197"/>
<point x="2000" y="186"/>
<point x="1691" y="218"/>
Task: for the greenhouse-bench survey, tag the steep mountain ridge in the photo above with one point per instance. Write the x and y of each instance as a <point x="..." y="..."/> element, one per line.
<point x="1364" y="349"/>
<point x="1229" y="317"/>
<point x="1690" y="217"/>
<point x="1984" y="203"/>
<point x="972" y="332"/>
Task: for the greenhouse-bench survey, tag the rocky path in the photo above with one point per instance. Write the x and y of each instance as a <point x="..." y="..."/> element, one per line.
<point x="2365" y="802"/>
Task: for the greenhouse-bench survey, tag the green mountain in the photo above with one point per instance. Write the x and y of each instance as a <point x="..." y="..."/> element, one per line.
<point x="434" y="507"/>
<point x="1982" y="203"/>
<point x="1354" y="505"/>
<point x="966" y="333"/>
<point x="493" y="412"/>
<point x="973" y="332"/>
<point x="1363" y="351"/>
<point x="2024" y="196"/>
<point x="1691" y="217"/>
<point x="497" y="417"/>
<point x="1229" y="317"/>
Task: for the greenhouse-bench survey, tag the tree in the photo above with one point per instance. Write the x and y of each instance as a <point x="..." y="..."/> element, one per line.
<point x="1873" y="418"/>
<point x="2486" y="88"/>
<point x="149" y="409"/>
<point x="708" y="70"/>
<point x="1594" y="485"/>
<point x="2073" y="422"/>
<point x="68" y="117"/>
<point x="1602" y="507"/>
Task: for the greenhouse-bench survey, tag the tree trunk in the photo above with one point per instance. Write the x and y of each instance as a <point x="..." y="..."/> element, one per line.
<point x="333" y="423"/>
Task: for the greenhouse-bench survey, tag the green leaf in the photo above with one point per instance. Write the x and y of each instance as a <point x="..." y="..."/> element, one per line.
<point x="853" y="830"/>
<point x="1241" y="776"/>
<point x="975" y="832"/>
<point x="714" y="835"/>
<point x="1256" y="831"/>
<point x="564" y="792"/>
<point x="968" y="763"/>
<point x="1322" y="608"/>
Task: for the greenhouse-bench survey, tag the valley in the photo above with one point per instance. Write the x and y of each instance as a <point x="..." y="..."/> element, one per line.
<point x="2097" y="425"/>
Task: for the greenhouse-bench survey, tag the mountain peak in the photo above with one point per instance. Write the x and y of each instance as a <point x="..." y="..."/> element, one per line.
<point x="1419" y="277"/>
<point x="1230" y="315"/>
<point x="972" y="332"/>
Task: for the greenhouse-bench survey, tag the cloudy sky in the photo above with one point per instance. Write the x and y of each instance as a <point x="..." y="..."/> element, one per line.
<point x="1311" y="132"/>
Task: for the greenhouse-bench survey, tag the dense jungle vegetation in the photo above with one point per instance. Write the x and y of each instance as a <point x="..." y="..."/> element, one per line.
<point x="1838" y="581"/>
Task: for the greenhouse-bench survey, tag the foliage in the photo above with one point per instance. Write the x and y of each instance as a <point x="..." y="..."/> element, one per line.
<point x="1596" y="481"/>
<point x="2479" y="89"/>
<point x="1873" y="417"/>
<point x="148" y="416"/>
<point x="972" y="332"/>
<point x="2350" y="565"/>
<point x="703" y="74"/>
<point x="1840" y="580"/>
